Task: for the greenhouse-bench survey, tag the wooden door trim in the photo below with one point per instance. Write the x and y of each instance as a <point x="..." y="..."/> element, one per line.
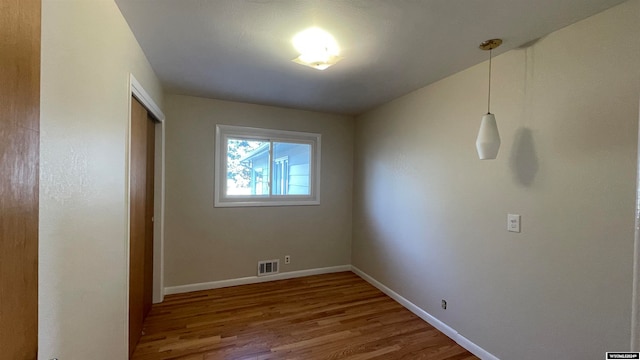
<point x="138" y="91"/>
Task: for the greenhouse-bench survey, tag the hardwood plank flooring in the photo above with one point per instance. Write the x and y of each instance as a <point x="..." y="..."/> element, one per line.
<point x="332" y="316"/>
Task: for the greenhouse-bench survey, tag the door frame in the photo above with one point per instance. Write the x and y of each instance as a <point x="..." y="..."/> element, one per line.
<point x="159" y="188"/>
<point x="138" y="91"/>
<point x="635" y="302"/>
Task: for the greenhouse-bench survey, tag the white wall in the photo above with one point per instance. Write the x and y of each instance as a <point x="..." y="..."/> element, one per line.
<point x="430" y="218"/>
<point x="203" y="243"/>
<point x="88" y="52"/>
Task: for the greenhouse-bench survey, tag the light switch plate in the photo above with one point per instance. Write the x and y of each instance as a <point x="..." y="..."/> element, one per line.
<point x="513" y="222"/>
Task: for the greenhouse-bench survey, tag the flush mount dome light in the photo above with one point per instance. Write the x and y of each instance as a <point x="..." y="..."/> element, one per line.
<point x="317" y="48"/>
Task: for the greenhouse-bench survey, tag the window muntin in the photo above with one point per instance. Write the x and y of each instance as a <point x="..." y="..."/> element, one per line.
<point x="263" y="167"/>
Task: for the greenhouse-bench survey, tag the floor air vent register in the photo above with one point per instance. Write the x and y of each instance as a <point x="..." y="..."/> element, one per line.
<point x="268" y="267"/>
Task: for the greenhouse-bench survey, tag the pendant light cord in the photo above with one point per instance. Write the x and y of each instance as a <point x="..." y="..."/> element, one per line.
<point x="489" y="97"/>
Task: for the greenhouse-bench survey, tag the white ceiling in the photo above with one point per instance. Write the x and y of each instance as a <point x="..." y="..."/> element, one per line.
<point x="241" y="49"/>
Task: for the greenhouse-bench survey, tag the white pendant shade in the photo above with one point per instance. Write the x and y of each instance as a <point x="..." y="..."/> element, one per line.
<point x="488" y="141"/>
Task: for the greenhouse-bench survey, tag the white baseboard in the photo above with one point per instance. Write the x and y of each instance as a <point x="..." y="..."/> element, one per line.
<point x="444" y="328"/>
<point x="253" y="279"/>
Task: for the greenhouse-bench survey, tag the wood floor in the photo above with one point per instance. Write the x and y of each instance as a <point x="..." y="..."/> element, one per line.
<point x="333" y="316"/>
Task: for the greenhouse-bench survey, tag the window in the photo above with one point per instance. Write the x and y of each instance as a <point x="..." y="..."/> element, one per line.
<point x="262" y="167"/>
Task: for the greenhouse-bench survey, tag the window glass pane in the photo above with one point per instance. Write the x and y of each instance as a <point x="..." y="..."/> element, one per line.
<point x="291" y="168"/>
<point x="266" y="167"/>
<point x="247" y="167"/>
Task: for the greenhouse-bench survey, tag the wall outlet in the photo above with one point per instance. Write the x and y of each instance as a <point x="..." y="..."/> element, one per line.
<point x="287" y="259"/>
<point x="444" y="304"/>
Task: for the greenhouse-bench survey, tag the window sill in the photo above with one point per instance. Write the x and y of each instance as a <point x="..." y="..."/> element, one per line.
<point x="261" y="203"/>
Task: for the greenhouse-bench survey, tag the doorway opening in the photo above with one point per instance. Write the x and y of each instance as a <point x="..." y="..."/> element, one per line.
<point x="145" y="217"/>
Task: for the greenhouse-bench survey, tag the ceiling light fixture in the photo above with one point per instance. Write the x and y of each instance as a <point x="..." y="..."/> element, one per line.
<point x="317" y="48"/>
<point x="488" y="141"/>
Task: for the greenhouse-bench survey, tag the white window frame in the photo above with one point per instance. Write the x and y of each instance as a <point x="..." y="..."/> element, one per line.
<point x="224" y="132"/>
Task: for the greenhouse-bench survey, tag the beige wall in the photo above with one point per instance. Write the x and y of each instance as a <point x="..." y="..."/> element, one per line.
<point x="88" y="52"/>
<point x="430" y="218"/>
<point x="203" y="243"/>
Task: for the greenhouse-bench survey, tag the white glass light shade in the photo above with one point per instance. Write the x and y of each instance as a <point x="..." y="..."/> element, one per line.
<point x="318" y="63"/>
<point x="317" y="48"/>
<point x="488" y="141"/>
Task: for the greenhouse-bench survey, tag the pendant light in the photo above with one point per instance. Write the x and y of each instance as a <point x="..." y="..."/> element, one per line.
<point x="488" y="141"/>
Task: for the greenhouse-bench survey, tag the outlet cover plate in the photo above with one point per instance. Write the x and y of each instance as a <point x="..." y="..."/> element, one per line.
<point x="513" y="222"/>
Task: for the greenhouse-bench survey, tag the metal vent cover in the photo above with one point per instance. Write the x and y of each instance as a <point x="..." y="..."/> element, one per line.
<point x="268" y="267"/>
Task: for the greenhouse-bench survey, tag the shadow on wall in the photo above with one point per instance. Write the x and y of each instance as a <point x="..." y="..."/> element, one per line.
<point x="524" y="161"/>
<point x="530" y="43"/>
